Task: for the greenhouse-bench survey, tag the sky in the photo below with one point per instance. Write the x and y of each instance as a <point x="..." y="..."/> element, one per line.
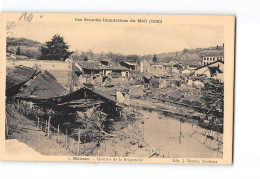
<point x="140" y="39"/>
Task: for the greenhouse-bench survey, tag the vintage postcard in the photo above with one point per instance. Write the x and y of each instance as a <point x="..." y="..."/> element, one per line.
<point x="123" y="88"/>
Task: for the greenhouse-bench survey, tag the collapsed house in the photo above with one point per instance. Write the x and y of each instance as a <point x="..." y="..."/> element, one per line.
<point x="168" y="67"/>
<point x="213" y="70"/>
<point x="16" y="77"/>
<point x="157" y="80"/>
<point x="148" y="67"/>
<point x="42" y="89"/>
<point x="42" y="86"/>
<point x="94" y="72"/>
<point x="86" y="98"/>
<point x="164" y="68"/>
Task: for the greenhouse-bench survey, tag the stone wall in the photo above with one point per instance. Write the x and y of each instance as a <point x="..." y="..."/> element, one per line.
<point x="61" y="70"/>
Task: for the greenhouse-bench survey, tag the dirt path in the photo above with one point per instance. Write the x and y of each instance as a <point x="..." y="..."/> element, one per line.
<point x="14" y="147"/>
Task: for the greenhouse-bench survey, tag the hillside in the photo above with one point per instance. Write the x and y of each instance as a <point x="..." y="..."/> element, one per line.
<point x="31" y="49"/>
<point x="28" y="48"/>
<point x="11" y="41"/>
<point x="26" y="131"/>
<point x="188" y="56"/>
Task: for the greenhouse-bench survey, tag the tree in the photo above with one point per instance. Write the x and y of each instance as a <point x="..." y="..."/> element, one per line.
<point x="116" y="58"/>
<point x="90" y="54"/>
<point x="31" y="52"/>
<point x="18" y="51"/>
<point x="94" y="126"/>
<point x="133" y="58"/>
<point x="102" y="55"/>
<point x="185" y="51"/>
<point x="155" y="59"/>
<point x="56" y="49"/>
<point x="86" y="58"/>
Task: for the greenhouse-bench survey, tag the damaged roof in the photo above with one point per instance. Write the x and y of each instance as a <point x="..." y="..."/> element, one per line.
<point x="130" y="63"/>
<point x="95" y="65"/>
<point x="90" y="65"/>
<point x="214" y="70"/>
<point x="117" y="68"/>
<point x="18" y="75"/>
<point x="109" y="94"/>
<point x="76" y="69"/>
<point x="43" y="86"/>
<point x="218" y="61"/>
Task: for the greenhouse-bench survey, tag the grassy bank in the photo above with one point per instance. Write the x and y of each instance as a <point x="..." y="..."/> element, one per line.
<point x="24" y="130"/>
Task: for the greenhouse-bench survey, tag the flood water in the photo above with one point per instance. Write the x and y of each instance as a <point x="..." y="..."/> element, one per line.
<point x="173" y="138"/>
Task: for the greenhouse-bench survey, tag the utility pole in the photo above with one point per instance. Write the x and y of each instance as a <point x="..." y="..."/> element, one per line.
<point x="78" y="143"/>
<point x="49" y="125"/>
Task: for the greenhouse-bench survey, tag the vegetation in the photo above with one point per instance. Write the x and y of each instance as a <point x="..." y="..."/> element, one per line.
<point x="56" y="49"/>
<point x="86" y="58"/>
<point x="133" y="58"/>
<point x="155" y="60"/>
<point x="18" y="51"/>
<point x="185" y="51"/>
<point x="28" y="48"/>
<point x="10" y="41"/>
<point x="32" y="49"/>
<point x="94" y="127"/>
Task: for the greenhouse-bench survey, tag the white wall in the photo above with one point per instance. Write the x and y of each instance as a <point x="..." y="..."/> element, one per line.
<point x="62" y="71"/>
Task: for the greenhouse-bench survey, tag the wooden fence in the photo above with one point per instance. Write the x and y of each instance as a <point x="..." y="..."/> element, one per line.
<point x="64" y="140"/>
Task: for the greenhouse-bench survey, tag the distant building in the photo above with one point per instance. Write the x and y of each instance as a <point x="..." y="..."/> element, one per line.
<point x="157" y="68"/>
<point x="145" y="66"/>
<point x="155" y="80"/>
<point x="104" y="62"/>
<point x="96" y="71"/>
<point x="168" y="67"/>
<point x="212" y="57"/>
<point x="131" y="66"/>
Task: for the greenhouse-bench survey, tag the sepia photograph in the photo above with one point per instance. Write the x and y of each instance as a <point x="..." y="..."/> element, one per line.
<point x="120" y="88"/>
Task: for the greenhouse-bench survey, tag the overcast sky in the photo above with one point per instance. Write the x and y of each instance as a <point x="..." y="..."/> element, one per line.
<point x="124" y="38"/>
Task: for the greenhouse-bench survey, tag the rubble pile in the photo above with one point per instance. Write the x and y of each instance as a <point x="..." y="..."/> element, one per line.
<point x="208" y="101"/>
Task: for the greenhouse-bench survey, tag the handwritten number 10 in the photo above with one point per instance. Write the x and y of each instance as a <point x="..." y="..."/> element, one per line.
<point x="26" y="17"/>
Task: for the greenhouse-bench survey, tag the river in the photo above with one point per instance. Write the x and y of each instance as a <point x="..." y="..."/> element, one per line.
<point x="157" y="135"/>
